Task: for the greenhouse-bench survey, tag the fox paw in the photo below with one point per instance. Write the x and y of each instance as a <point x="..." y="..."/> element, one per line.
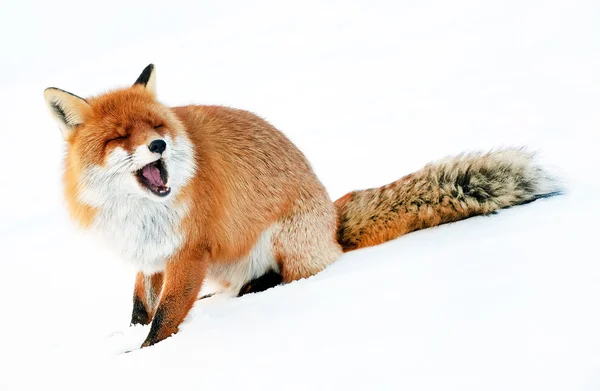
<point x="139" y="315"/>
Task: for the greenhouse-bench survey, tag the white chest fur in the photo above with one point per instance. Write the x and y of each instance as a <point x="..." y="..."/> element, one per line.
<point x="143" y="229"/>
<point x="144" y="232"/>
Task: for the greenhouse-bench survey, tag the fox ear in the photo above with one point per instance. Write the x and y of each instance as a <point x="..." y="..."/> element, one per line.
<point x="68" y="110"/>
<point x="148" y="79"/>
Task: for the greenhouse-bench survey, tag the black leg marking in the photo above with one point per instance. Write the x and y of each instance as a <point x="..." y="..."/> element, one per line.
<point x="157" y="323"/>
<point x="139" y="314"/>
<point x="268" y="280"/>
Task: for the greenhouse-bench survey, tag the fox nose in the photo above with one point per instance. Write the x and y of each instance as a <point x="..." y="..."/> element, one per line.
<point x="157" y="146"/>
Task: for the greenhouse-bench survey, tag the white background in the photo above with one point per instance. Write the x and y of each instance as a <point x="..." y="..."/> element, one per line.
<point x="370" y="91"/>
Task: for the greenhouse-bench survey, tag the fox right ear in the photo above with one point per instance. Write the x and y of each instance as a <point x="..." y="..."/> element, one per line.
<point x="148" y="79"/>
<point x="68" y="110"/>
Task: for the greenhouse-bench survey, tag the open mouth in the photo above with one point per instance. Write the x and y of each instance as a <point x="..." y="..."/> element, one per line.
<point x="154" y="177"/>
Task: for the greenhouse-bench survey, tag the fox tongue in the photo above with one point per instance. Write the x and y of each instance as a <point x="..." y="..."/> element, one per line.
<point x="152" y="174"/>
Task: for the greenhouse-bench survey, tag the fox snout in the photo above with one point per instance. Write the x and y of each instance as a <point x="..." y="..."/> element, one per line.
<point x="157" y="146"/>
<point x="154" y="145"/>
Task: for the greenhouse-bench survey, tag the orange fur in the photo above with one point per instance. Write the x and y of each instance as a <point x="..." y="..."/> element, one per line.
<point x="184" y="276"/>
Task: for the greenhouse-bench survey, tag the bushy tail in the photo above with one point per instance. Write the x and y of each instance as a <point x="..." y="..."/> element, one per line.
<point x="449" y="190"/>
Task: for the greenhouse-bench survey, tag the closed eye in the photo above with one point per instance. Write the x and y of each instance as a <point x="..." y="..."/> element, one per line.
<point x="158" y="126"/>
<point x="115" y="139"/>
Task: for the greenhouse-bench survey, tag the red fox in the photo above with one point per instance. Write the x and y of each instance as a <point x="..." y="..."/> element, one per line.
<point x="208" y="192"/>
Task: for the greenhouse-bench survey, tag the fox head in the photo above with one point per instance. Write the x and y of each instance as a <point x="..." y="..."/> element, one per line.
<point x="121" y="144"/>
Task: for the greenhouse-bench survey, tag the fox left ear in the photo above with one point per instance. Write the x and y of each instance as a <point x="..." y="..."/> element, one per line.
<point x="148" y="79"/>
<point x="68" y="110"/>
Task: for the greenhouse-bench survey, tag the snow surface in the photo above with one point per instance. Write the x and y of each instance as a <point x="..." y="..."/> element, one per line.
<point x="369" y="91"/>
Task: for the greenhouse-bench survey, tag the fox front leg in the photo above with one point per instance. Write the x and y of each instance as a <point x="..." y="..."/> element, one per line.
<point x="145" y="297"/>
<point x="184" y="274"/>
